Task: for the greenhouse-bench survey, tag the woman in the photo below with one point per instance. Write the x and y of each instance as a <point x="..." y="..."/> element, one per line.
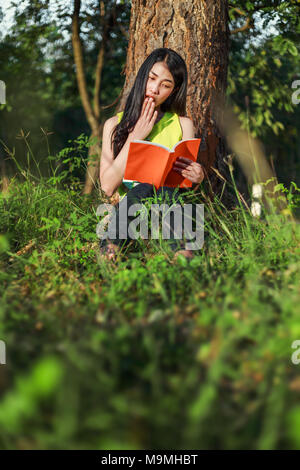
<point x="154" y="111"/>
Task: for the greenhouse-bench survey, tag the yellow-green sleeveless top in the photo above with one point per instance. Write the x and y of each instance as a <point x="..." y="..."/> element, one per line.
<point x="167" y="131"/>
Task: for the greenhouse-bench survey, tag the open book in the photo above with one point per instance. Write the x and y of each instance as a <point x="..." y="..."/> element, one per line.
<point x="149" y="162"/>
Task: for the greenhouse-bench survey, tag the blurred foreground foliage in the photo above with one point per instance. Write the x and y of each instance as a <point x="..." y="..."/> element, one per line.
<point x="146" y="353"/>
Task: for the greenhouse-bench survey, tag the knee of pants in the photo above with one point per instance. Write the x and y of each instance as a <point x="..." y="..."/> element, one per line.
<point x="138" y="192"/>
<point x="144" y="185"/>
<point x="168" y="193"/>
<point x="171" y="197"/>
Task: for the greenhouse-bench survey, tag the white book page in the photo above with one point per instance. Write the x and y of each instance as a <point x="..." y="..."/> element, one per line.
<point x="151" y="143"/>
<point x="163" y="146"/>
<point x="173" y="149"/>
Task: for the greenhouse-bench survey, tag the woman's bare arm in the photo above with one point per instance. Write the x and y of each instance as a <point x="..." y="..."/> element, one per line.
<point x="187" y="126"/>
<point x="112" y="170"/>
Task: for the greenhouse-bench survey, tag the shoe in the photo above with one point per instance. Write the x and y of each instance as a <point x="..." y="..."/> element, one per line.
<point x="109" y="251"/>
<point x="188" y="254"/>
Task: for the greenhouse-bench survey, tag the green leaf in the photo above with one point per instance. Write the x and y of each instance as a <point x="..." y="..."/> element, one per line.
<point x="259" y="119"/>
<point x="277" y="62"/>
<point x="292" y="49"/>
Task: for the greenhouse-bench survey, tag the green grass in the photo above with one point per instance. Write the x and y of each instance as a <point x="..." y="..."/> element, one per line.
<point x="147" y="353"/>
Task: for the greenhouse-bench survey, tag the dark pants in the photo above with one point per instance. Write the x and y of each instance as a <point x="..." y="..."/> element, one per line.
<point x="165" y="195"/>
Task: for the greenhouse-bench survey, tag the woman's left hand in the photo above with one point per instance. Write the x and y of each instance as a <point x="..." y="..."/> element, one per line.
<point x="191" y="170"/>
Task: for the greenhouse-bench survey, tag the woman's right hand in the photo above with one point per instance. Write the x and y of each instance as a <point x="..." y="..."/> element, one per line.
<point x="146" y="121"/>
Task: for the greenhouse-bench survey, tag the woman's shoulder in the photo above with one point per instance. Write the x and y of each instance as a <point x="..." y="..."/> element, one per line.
<point x="186" y="122"/>
<point x="187" y="127"/>
<point x="113" y="120"/>
<point x="111" y="123"/>
<point x="185" y="119"/>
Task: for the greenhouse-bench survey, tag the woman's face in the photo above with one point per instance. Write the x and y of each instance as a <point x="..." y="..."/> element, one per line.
<point x="160" y="83"/>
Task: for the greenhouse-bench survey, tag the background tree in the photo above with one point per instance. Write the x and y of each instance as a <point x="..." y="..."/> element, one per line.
<point x="199" y="30"/>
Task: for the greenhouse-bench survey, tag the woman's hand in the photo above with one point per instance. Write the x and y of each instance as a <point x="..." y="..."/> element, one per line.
<point x="191" y="170"/>
<point x="146" y="121"/>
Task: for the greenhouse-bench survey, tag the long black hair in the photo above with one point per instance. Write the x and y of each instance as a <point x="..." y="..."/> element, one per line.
<point x="176" y="101"/>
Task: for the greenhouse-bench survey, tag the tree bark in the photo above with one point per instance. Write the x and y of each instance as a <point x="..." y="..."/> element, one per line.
<point x="3" y="177"/>
<point x="199" y="32"/>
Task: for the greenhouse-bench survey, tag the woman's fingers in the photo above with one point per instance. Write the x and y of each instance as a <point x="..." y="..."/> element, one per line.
<point x="150" y="109"/>
<point x="184" y="161"/>
<point x="181" y="165"/>
<point x="154" y="116"/>
<point x="145" y="104"/>
<point x="144" y="107"/>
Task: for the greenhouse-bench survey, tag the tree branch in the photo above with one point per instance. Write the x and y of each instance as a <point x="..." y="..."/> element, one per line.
<point x="106" y="26"/>
<point x="80" y="75"/>
<point x="239" y="11"/>
<point x="114" y="102"/>
<point x="123" y="31"/>
<point x="99" y="65"/>
<point x="248" y="24"/>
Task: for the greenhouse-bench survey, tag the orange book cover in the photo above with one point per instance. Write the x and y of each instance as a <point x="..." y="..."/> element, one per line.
<point x="149" y="162"/>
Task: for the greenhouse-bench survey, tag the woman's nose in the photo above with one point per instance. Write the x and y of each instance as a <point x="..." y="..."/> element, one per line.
<point x="154" y="89"/>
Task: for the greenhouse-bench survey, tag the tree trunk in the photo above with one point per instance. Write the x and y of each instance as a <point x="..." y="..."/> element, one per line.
<point x="3" y="177"/>
<point x="199" y="32"/>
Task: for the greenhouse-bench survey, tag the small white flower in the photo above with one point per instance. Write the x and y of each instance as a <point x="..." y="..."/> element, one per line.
<point x="2" y="92"/>
<point x="257" y="190"/>
<point x="255" y="209"/>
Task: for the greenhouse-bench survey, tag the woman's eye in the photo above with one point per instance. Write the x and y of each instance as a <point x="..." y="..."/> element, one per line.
<point x="152" y="78"/>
